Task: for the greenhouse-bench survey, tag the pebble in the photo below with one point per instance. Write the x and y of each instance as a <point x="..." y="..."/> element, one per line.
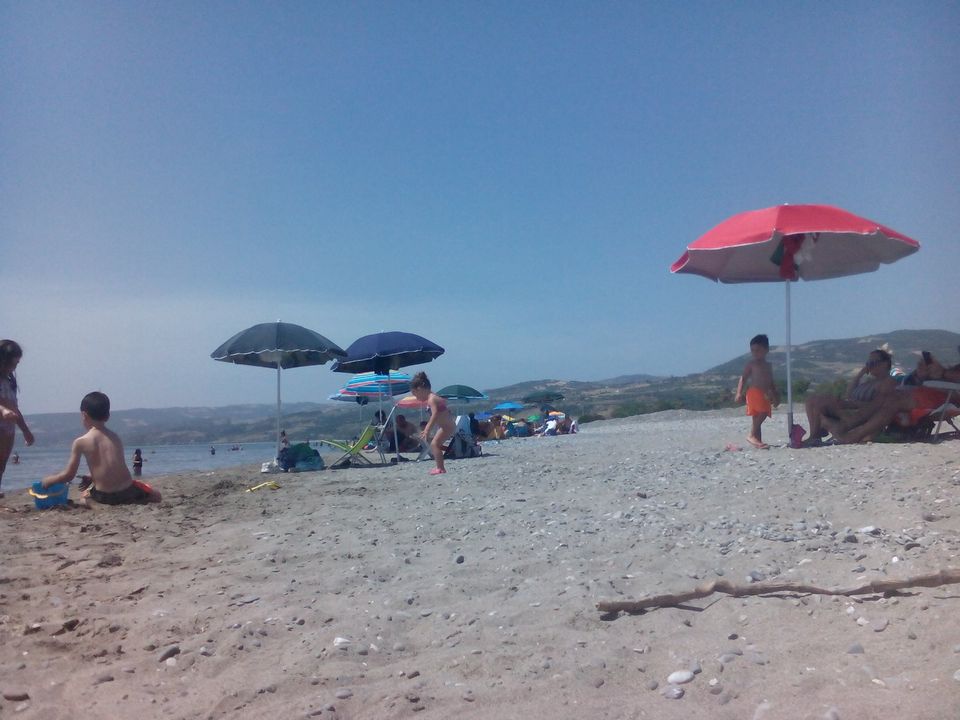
<point x="855" y="649"/>
<point x="460" y="559"/>
<point x="680" y="677"/>
<point x="673" y="692"/>
<point x="757" y="658"/>
<point x="956" y="676"/>
<point x="343" y="693"/>
<point x="103" y="678"/>
<point x="832" y="714"/>
<point x="652" y="684"/>
<point x="169" y="652"/>
<point x="16" y="695"/>
<point x="881" y="625"/>
<point x="340" y="642"/>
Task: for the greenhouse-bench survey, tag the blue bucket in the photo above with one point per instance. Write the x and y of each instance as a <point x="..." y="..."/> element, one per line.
<point x="45" y="498"/>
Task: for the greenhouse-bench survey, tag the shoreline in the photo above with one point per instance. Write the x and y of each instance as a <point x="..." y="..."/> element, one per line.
<point x="384" y="592"/>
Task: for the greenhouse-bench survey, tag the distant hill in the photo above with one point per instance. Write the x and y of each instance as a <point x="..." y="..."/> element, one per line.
<point x="817" y="362"/>
<point x="823" y="360"/>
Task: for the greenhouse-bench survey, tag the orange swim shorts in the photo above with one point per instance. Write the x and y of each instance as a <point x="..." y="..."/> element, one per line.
<point x="757" y="402"/>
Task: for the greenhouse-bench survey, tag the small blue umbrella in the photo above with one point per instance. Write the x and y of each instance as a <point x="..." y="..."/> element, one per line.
<point x="507" y="406"/>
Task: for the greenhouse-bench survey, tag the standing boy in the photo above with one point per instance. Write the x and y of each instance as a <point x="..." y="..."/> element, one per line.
<point x="103" y="451"/>
<point x="762" y="393"/>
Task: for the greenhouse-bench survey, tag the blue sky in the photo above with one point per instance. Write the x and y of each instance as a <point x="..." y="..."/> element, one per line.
<point x="510" y="180"/>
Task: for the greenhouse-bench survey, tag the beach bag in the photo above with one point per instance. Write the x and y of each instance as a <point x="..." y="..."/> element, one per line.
<point x="462" y="446"/>
<point x="299" y="457"/>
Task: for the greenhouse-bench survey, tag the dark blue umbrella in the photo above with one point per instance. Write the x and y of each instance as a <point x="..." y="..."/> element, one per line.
<point x="278" y="345"/>
<point x="386" y="351"/>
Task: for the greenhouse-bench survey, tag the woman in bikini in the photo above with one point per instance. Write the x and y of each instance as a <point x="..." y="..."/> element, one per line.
<point x="440" y="418"/>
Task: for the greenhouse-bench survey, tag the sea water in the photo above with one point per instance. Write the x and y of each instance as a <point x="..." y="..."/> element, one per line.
<point x="38" y="462"/>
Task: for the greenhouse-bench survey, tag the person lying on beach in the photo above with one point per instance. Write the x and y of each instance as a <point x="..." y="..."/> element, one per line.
<point x="864" y="424"/>
<point x="103" y="451"/>
<point x="933" y="370"/>
<point x="872" y="381"/>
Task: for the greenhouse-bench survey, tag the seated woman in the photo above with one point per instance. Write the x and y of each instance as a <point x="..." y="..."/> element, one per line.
<point x="872" y="381"/>
<point x="873" y="418"/>
<point x="406" y="435"/>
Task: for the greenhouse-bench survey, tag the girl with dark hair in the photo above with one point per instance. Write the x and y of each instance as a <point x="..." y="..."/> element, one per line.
<point x="10" y="417"/>
<point x="440" y="419"/>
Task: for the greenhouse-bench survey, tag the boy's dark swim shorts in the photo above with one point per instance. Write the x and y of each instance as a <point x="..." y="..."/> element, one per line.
<point x="129" y="495"/>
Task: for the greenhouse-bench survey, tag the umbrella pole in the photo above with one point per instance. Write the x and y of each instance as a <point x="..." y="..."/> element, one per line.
<point x="789" y="378"/>
<point x="277" y="454"/>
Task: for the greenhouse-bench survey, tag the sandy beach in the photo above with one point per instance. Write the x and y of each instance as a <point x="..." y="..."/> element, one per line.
<point x="387" y="593"/>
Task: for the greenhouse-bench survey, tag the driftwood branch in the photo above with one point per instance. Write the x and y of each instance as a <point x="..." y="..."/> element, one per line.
<point x="943" y="577"/>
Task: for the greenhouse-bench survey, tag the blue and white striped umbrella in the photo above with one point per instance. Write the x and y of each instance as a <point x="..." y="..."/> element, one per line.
<point x="375" y="384"/>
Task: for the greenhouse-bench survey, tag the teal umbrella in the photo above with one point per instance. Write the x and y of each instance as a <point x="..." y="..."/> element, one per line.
<point x="461" y="392"/>
<point x="543" y="396"/>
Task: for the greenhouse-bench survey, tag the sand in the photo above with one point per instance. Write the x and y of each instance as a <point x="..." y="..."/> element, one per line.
<point x="388" y="593"/>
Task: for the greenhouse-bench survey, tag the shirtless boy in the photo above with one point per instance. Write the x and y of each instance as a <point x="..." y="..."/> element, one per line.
<point x="103" y="451"/>
<point x="762" y="394"/>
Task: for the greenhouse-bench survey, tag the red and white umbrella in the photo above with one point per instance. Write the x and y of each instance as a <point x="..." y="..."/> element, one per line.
<point x="789" y="243"/>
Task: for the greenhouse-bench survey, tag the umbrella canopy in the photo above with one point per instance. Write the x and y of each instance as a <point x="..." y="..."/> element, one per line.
<point x="386" y="351"/>
<point x="411" y="403"/>
<point x="278" y="345"/>
<point x="347" y="396"/>
<point x="792" y="242"/>
<point x="461" y="392"/>
<point x="374" y="384"/>
<point x="543" y="396"/>
<point x="508" y="406"/>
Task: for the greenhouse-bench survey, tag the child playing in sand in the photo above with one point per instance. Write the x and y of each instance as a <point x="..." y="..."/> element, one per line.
<point x="762" y="393"/>
<point x="10" y="416"/>
<point x="103" y="451"/>
<point x="440" y="418"/>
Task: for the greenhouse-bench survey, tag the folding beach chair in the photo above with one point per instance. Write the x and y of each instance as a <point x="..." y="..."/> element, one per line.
<point x="354" y="451"/>
<point x="923" y="423"/>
